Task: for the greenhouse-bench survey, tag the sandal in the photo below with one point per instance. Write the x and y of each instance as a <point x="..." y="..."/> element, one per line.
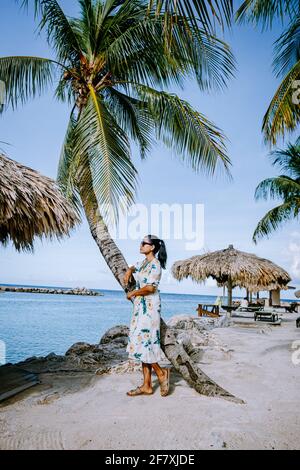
<point x="165" y="384"/>
<point x="137" y="391"/>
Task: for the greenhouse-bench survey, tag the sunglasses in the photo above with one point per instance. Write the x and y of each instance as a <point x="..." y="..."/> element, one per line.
<point x="145" y="243"/>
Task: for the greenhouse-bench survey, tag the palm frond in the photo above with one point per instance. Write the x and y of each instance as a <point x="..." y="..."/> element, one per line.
<point x="288" y="160"/>
<point x="68" y="167"/>
<point x="265" y="11"/>
<point x="88" y="25"/>
<point x="25" y="77"/>
<point x="204" y="14"/>
<point x="105" y="149"/>
<point x="276" y="217"/>
<point x="133" y="117"/>
<point x="198" y="141"/>
<point x="283" y="113"/>
<point x="287" y="49"/>
<point x="280" y="187"/>
<point x="37" y="4"/>
<point x="64" y="92"/>
<point x="59" y="32"/>
<point x="130" y="54"/>
<point x="96" y="21"/>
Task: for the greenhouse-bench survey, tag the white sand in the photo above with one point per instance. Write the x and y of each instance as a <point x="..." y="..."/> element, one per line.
<point x="253" y="362"/>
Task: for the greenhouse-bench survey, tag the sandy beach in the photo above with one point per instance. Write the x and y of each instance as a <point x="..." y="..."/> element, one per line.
<point x="84" y="411"/>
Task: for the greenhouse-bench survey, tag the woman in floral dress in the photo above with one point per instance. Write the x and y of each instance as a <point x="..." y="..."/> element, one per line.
<point x="144" y="336"/>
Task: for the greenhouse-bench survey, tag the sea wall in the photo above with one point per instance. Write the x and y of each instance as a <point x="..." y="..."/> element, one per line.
<point x="45" y="290"/>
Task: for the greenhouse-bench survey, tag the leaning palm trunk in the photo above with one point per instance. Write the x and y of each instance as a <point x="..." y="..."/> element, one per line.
<point x="173" y="350"/>
<point x="108" y="248"/>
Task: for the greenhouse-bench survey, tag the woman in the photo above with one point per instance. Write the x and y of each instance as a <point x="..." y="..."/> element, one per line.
<point x="144" y="336"/>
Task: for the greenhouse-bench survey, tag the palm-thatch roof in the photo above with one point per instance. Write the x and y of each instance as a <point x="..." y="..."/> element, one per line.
<point x="31" y="205"/>
<point x="242" y="269"/>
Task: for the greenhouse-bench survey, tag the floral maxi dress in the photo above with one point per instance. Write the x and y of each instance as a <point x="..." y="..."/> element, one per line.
<point x="144" y="335"/>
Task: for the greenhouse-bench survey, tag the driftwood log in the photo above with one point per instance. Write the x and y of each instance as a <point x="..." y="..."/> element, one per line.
<point x="189" y="370"/>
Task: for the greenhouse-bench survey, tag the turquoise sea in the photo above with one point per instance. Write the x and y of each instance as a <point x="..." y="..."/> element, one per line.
<point x="38" y="324"/>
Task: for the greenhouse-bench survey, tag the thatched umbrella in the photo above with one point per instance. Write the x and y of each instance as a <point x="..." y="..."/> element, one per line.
<point x="31" y="205"/>
<point x="233" y="268"/>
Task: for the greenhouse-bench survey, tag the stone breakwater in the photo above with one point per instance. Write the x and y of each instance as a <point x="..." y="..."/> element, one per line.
<point x="45" y="290"/>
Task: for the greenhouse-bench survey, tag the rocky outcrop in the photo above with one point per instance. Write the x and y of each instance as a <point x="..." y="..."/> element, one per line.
<point x="194" y="334"/>
<point x="110" y="356"/>
<point x="118" y="334"/>
<point x="45" y="290"/>
<point x="96" y="358"/>
<point x="188" y="322"/>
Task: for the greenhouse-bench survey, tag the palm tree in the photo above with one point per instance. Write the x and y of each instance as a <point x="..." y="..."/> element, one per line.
<point x="200" y="13"/>
<point x="283" y="113"/>
<point x="285" y="187"/>
<point x="113" y="65"/>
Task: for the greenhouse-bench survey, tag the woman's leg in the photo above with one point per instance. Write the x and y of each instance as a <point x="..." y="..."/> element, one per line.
<point x="160" y="372"/>
<point x="147" y="385"/>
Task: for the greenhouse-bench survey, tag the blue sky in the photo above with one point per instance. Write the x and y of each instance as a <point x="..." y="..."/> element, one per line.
<point x="36" y="132"/>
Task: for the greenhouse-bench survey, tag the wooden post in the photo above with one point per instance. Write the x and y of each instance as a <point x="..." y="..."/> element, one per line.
<point x="199" y="310"/>
<point x="275" y="296"/>
<point x="229" y="291"/>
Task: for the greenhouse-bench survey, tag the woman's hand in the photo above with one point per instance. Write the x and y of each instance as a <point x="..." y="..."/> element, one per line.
<point x="128" y="275"/>
<point x="131" y="295"/>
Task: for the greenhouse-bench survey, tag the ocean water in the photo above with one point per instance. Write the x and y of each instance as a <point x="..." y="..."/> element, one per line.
<point x="38" y="324"/>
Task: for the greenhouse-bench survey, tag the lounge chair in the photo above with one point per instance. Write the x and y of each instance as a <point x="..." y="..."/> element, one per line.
<point x="264" y="315"/>
<point x="203" y="310"/>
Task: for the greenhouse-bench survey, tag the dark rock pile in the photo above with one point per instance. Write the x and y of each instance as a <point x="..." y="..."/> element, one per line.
<point x="109" y="355"/>
<point x="45" y="290"/>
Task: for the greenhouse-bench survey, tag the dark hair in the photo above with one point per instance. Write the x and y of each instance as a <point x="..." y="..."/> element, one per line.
<point x="160" y="249"/>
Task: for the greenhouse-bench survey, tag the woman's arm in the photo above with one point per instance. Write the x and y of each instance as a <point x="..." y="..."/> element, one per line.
<point x="146" y="290"/>
<point x="128" y="274"/>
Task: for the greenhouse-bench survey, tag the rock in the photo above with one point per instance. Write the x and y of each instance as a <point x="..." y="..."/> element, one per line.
<point x="194" y="333"/>
<point x="43" y="290"/>
<point x="117" y="333"/>
<point x="121" y="368"/>
<point x="31" y="359"/>
<point x="100" y="357"/>
<point x="79" y="348"/>
<point x="182" y="322"/>
<point x="51" y="356"/>
<point x="188" y="322"/>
